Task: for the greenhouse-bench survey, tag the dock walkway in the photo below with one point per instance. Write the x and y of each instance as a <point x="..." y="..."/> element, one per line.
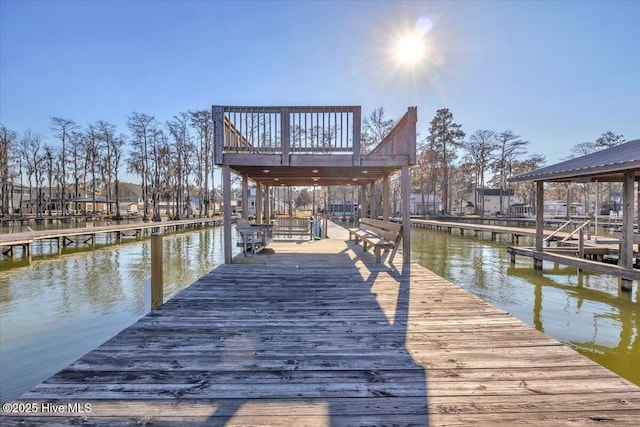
<point x="318" y="334"/>
<point x="65" y="236"/>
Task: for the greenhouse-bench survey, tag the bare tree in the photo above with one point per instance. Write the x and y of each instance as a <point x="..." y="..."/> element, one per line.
<point x="609" y="139"/>
<point x="31" y="152"/>
<point x="106" y="134"/>
<point x="116" y="144"/>
<point x="202" y="121"/>
<point x="480" y="150"/>
<point x="375" y="127"/>
<point x="94" y="155"/>
<point x="48" y="164"/>
<point x="510" y="147"/>
<point x="62" y="129"/>
<point x="526" y="191"/>
<point x="143" y="127"/>
<point x="7" y="142"/>
<point x="78" y="162"/>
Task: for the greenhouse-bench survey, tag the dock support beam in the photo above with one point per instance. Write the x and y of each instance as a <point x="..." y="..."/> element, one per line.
<point x="626" y="244"/>
<point x="245" y="196"/>
<point x="258" y="219"/>
<point x="156" y="271"/>
<point x="406" y="216"/>
<point x="386" y="202"/>
<point x="226" y="200"/>
<point x="537" y="263"/>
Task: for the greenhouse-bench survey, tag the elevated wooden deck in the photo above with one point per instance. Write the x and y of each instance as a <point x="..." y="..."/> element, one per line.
<point x="318" y="334"/>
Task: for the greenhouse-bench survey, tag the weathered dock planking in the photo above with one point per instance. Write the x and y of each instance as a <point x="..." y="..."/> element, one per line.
<point x="318" y="334"/>
<point x="64" y="236"/>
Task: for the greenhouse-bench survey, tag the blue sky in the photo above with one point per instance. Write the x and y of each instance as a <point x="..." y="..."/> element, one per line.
<point x="556" y="73"/>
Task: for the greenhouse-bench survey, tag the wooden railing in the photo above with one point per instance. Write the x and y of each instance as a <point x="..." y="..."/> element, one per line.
<point x="284" y="130"/>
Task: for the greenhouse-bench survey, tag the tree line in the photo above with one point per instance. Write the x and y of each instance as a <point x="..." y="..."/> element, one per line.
<point x="451" y="165"/>
<point x="174" y="162"/>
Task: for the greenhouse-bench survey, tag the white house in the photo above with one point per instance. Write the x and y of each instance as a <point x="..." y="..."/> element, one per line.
<point x="431" y="204"/>
<point x="491" y="197"/>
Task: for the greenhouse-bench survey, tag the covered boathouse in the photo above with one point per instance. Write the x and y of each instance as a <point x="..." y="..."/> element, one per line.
<point x="620" y="163"/>
<point x="309" y="146"/>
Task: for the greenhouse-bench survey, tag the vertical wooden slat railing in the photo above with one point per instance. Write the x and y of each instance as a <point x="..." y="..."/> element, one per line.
<point x="288" y="130"/>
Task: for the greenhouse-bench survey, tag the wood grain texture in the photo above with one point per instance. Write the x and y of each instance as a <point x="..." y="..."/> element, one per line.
<point x="321" y="335"/>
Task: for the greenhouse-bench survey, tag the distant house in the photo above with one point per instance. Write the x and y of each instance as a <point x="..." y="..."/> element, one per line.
<point x="430" y="204"/>
<point x="128" y="192"/>
<point x="279" y="201"/>
<point x="343" y="208"/>
<point x="491" y="197"/>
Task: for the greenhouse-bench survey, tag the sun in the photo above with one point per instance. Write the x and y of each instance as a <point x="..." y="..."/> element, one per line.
<point x="410" y="49"/>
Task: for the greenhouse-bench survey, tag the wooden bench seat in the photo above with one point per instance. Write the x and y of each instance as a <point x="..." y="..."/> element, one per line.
<point x="254" y="237"/>
<point x="380" y="235"/>
<point x="289" y="226"/>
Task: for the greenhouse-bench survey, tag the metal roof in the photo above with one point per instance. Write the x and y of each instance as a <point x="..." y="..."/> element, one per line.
<point x="605" y="165"/>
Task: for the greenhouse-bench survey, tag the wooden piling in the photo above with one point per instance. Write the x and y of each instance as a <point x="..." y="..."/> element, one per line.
<point x="156" y="271"/>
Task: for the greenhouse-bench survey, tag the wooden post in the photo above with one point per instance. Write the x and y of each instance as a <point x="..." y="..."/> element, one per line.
<point x="156" y="271"/>
<point x="581" y="244"/>
<point x="385" y="198"/>
<point x="537" y="263"/>
<point x="357" y="119"/>
<point x="372" y="198"/>
<point x="267" y="204"/>
<point x="406" y="216"/>
<point x="245" y="196"/>
<point x="626" y="245"/>
<point x="218" y="133"/>
<point x="226" y="200"/>
<point x="258" y="202"/>
<point x="285" y="142"/>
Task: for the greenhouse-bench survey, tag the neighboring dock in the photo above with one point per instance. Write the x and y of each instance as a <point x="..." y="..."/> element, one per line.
<point x="571" y="250"/>
<point x="87" y="235"/>
<point x="319" y="334"/>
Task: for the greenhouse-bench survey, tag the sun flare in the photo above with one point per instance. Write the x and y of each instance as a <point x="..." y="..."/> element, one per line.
<point x="410" y="49"/>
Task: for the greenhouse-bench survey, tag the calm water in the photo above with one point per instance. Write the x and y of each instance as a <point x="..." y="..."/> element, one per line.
<point x="82" y="299"/>
<point x="587" y="312"/>
<point x="61" y="307"/>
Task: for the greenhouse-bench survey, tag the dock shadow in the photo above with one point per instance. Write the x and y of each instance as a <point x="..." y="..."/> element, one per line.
<point x="303" y="339"/>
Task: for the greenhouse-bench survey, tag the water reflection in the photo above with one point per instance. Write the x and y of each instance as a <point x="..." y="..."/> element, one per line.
<point x="58" y="308"/>
<point x="586" y="311"/>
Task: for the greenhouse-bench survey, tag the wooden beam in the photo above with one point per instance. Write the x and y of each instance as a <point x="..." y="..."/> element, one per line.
<point x="372" y="200"/>
<point x="537" y="263"/>
<point x="357" y="122"/>
<point x="406" y="216"/>
<point x="385" y="198"/>
<point x="218" y="133"/>
<point x="626" y="244"/>
<point x="267" y="203"/>
<point x="258" y="202"/>
<point x="226" y="199"/>
<point x="245" y="196"/>
<point x="284" y="136"/>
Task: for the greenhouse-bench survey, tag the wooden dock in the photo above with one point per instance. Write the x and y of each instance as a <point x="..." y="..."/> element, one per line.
<point x="318" y="334"/>
<point x="478" y="229"/>
<point x="87" y="235"/>
<point x="567" y="251"/>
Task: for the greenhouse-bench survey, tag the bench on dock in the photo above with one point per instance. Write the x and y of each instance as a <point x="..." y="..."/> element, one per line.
<point x="379" y="235"/>
<point x="290" y="226"/>
<point x="255" y="237"/>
